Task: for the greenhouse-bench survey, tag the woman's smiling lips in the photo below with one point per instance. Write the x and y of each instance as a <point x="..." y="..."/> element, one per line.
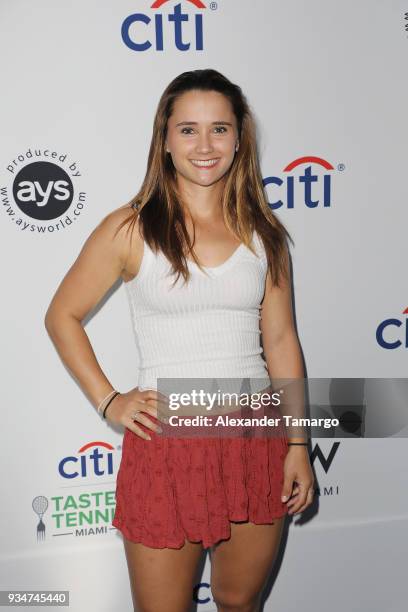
<point x="205" y="163"/>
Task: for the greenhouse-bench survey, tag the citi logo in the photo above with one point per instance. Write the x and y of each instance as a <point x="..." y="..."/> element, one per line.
<point x="99" y="462"/>
<point x="138" y="31"/>
<point x="307" y="187"/>
<point x="389" y="335"/>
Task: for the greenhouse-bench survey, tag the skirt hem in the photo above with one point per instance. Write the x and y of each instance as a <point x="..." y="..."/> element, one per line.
<point x="206" y="542"/>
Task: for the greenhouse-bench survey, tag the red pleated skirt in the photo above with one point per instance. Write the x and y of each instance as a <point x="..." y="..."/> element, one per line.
<point x="172" y="489"/>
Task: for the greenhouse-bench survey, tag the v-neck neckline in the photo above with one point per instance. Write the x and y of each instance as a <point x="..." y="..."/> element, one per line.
<point x="215" y="270"/>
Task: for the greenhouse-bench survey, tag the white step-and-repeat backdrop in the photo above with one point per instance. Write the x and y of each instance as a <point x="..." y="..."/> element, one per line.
<point x="80" y="84"/>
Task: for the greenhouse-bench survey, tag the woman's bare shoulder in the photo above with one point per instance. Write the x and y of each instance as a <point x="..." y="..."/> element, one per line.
<point x="117" y="215"/>
<point x="129" y="237"/>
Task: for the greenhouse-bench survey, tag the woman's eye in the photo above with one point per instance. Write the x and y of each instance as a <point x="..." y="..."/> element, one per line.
<point x="219" y="127"/>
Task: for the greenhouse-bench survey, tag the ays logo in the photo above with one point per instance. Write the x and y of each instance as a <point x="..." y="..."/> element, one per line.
<point x="302" y="184"/>
<point x="159" y="29"/>
<point x="42" y="193"/>
<point x="388" y="333"/>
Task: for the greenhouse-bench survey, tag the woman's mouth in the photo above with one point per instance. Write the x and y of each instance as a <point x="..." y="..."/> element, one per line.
<point x="207" y="163"/>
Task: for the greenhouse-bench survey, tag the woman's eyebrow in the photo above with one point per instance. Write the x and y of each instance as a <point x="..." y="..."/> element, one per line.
<point x="196" y="123"/>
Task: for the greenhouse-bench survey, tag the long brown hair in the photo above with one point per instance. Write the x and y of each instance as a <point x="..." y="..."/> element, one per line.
<point x="244" y="204"/>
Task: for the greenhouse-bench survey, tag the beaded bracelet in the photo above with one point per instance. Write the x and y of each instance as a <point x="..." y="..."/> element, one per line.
<point x="106" y="407"/>
<point x="101" y="405"/>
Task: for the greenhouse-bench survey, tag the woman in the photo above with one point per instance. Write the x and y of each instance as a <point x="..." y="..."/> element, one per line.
<point x="207" y="273"/>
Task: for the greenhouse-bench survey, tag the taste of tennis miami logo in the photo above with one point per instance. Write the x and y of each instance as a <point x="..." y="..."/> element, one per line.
<point x="159" y="30"/>
<point x="88" y="509"/>
<point x="388" y="333"/>
<point x="307" y="181"/>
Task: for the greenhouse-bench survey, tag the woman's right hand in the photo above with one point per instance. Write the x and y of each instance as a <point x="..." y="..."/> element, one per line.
<point x="126" y="408"/>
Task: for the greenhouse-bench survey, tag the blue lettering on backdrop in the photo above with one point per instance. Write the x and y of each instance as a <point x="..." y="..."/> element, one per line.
<point x="177" y="17"/>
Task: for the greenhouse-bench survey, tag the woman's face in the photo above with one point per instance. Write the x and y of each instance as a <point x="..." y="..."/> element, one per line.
<point x="202" y="127"/>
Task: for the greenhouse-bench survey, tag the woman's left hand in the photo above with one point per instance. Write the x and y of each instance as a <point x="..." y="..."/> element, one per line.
<point x="298" y="475"/>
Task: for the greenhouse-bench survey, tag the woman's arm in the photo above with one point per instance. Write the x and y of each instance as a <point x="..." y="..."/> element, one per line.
<point x="284" y="361"/>
<point x="280" y="342"/>
<point x="100" y="262"/>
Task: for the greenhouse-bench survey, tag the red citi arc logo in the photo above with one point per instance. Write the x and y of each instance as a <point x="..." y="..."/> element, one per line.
<point x="310" y="159"/>
<point x="160" y="3"/>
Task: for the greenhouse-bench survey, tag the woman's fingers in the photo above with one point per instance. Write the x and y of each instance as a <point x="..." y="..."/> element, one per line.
<point x="302" y="497"/>
<point x="142" y="418"/>
<point x="146" y="404"/>
<point x="155" y="396"/>
<point x="157" y="404"/>
<point x="138" y="431"/>
<point x="310" y="494"/>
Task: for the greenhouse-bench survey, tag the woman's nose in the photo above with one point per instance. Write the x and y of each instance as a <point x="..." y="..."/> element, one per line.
<point x="204" y="143"/>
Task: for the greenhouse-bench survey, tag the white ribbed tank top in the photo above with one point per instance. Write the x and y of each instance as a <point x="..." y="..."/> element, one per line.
<point x="206" y="328"/>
